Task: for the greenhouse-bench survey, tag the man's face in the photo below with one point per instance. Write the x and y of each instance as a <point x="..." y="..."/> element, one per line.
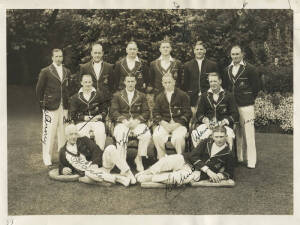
<point x="199" y="51"/>
<point x="72" y="135"/>
<point x="236" y="55"/>
<point x="214" y="83"/>
<point x="57" y="57"/>
<point x="165" y="49"/>
<point x="87" y="82"/>
<point x="219" y="138"/>
<point x="132" y="50"/>
<point x="97" y="53"/>
<point x="168" y="83"/>
<point x="130" y="83"/>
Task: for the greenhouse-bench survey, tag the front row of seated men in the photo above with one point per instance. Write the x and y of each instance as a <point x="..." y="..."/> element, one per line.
<point x="130" y="113"/>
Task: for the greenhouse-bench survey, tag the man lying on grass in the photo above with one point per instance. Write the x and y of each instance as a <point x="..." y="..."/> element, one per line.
<point x="212" y="159"/>
<point x="82" y="155"/>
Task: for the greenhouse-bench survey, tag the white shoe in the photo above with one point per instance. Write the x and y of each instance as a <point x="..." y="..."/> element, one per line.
<point x="123" y="180"/>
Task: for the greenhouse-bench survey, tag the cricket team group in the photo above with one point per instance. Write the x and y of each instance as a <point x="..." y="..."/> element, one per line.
<point x="194" y="102"/>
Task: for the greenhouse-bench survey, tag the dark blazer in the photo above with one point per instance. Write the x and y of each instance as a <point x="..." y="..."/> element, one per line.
<point x="195" y="80"/>
<point x="105" y="82"/>
<point x="50" y="89"/>
<point x="85" y="146"/>
<point x="121" y="109"/>
<point x="201" y="156"/>
<point x="245" y="85"/>
<point x="224" y="108"/>
<point x="97" y="104"/>
<point x="157" y="72"/>
<point x="179" y="109"/>
<point x="140" y="71"/>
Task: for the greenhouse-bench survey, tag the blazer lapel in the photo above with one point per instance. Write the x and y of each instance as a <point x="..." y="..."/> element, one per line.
<point x="221" y="97"/>
<point x="195" y="67"/>
<point x="92" y="71"/>
<point x="64" y="74"/>
<point x="204" y="66"/>
<point x="54" y="72"/>
<point x="124" y="96"/>
<point x="135" y="97"/>
<point x="210" y="99"/>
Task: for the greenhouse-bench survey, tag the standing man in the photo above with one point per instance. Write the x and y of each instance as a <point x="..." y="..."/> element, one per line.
<point x="133" y="65"/>
<point x="242" y="79"/>
<point x="171" y="115"/>
<point x="195" y="74"/>
<point x="129" y="109"/>
<point x="52" y="93"/>
<point x="165" y="64"/>
<point x="102" y="72"/>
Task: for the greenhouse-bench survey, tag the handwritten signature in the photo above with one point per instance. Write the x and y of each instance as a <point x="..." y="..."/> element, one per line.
<point x="85" y="166"/>
<point x="47" y="120"/>
<point x="249" y="121"/>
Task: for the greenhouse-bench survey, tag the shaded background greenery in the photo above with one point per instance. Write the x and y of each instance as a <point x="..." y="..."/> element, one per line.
<point x="265" y="35"/>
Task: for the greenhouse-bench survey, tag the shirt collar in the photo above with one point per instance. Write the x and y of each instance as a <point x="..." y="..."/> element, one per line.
<point x="97" y="62"/>
<point x="72" y="148"/>
<point x="240" y="63"/>
<point x="56" y="66"/>
<point x="199" y="59"/>
<point x="136" y="59"/>
<point x="171" y="59"/>
<point x="221" y="90"/>
<point x="129" y="92"/>
<point x="81" y="90"/>
<point x="218" y="148"/>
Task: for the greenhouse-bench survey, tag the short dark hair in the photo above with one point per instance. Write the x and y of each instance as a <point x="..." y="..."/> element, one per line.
<point x="56" y="50"/>
<point x="219" y="128"/>
<point x="132" y="42"/>
<point x="129" y="75"/>
<point x="237" y="46"/>
<point x="166" y="40"/>
<point x="96" y="43"/>
<point x="200" y="43"/>
<point x="86" y="74"/>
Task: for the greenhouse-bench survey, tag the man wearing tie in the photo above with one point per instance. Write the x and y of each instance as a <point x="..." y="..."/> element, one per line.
<point x="195" y="74"/>
<point x="52" y="93"/>
<point x="102" y="72"/>
<point x="241" y="78"/>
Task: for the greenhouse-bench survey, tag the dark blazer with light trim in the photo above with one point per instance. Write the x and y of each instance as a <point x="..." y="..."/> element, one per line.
<point x="121" y="109"/>
<point x="105" y="82"/>
<point x="179" y="109"/>
<point x="140" y="71"/>
<point x="224" y="108"/>
<point x="50" y="89"/>
<point x="85" y="146"/>
<point x="195" y="80"/>
<point x="244" y="86"/>
<point x="157" y="72"/>
<point x="80" y="107"/>
<point x="222" y="162"/>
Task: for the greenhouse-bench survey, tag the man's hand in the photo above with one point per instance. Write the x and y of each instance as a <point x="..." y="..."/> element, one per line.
<point x="205" y="120"/>
<point x="213" y="176"/>
<point x="224" y="122"/>
<point x="166" y="126"/>
<point x="174" y="125"/>
<point x="221" y="176"/>
<point x="126" y="123"/>
<point x="66" y="171"/>
<point x="97" y="118"/>
<point x="87" y="118"/>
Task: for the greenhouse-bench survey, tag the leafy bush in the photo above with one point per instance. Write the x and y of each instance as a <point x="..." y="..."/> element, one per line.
<point x="274" y="109"/>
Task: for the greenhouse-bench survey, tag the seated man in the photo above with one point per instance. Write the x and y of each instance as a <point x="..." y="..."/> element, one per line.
<point x="216" y="106"/>
<point x="130" y="110"/>
<point x="211" y="159"/>
<point x="88" y="108"/>
<point x="81" y="155"/>
<point x="171" y="115"/>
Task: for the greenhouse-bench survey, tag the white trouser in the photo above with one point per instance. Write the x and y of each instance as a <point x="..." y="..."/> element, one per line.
<point x="160" y="137"/>
<point x="245" y="135"/>
<point x="121" y="133"/>
<point x="98" y="128"/>
<point x="168" y="163"/>
<point x="53" y="124"/>
<point x="202" y="132"/>
<point x="112" y="157"/>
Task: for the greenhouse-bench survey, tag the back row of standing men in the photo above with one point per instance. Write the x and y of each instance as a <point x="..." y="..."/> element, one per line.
<point x="239" y="78"/>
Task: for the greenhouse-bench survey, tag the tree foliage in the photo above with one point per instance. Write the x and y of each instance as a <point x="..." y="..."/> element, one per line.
<point x="264" y="34"/>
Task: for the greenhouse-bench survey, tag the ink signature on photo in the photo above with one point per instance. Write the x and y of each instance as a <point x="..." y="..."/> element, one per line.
<point x="47" y="120"/>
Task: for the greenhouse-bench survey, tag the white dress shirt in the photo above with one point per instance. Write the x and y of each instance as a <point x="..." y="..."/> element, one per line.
<point x="199" y="61"/>
<point x="87" y="96"/>
<point x="131" y="63"/>
<point x="169" y="95"/>
<point x="214" y="150"/>
<point x="59" y="70"/>
<point x="236" y="67"/>
<point x="216" y="95"/>
<point x="130" y="96"/>
<point x="97" y="68"/>
<point x="165" y="64"/>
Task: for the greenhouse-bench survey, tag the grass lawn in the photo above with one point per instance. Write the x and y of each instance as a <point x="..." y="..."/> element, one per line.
<point x="268" y="189"/>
